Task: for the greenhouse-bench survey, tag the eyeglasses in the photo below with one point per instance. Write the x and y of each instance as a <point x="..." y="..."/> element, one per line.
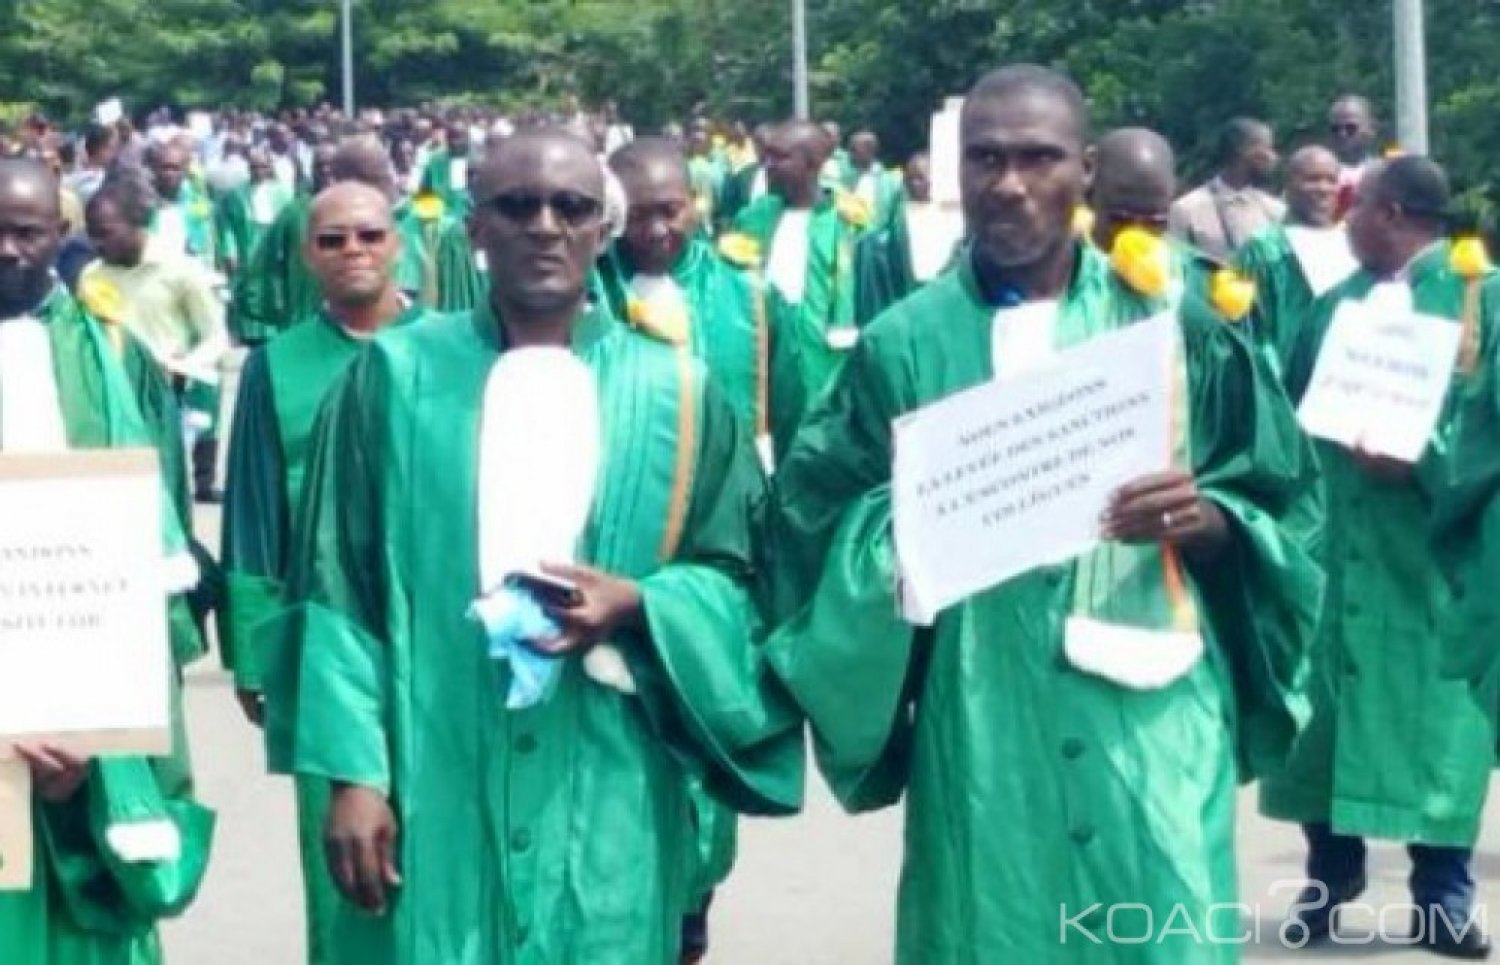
<point x="523" y="207"/>
<point x="339" y="240"/>
<point x="1347" y="130"/>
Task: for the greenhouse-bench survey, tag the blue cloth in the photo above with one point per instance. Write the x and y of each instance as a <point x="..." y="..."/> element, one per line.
<point x="511" y="618"/>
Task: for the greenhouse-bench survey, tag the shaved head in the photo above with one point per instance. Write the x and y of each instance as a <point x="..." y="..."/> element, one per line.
<point x="1312" y="155"/>
<point x="1030" y="81"/>
<point x="528" y="148"/>
<point x="31" y="230"/>
<point x="335" y="201"/>
<point x="648" y="154"/>
<point x="1401" y="207"/>
<point x="352" y="246"/>
<point x="363" y="159"/>
<point x="794" y="152"/>
<point x="1135" y="180"/>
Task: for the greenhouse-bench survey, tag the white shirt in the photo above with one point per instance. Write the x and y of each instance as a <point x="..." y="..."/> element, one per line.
<point x="787" y="266"/>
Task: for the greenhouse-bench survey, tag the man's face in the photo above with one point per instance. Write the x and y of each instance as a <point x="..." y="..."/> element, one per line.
<point x="322" y="167"/>
<point x="1312" y="190"/>
<point x="1259" y="156"/>
<point x="790" y="164"/>
<point x="30" y="233"/>
<point x="280" y="139"/>
<point x="863" y="151"/>
<point x="1370" y="221"/>
<point x="918" y="180"/>
<point x="168" y="171"/>
<point x="1351" y="131"/>
<point x="117" y="240"/>
<point x="352" y="249"/>
<point x="539" y="221"/>
<point x="1021" y="175"/>
<point x="662" y="216"/>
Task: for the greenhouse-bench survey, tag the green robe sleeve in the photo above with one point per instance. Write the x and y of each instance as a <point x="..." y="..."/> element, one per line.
<point x="274" y="286"/>
<point x="255" y="523"/>
<point x="324" y="662"/>
<point x="705" y="682"/>
<point x="882" y="271"/>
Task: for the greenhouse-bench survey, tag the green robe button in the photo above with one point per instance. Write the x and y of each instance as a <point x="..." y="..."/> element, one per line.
<point x="526" y="744"/>
<point x="1072" y="748"/>
<point x="1082" y="834"/>
<point x="520" y="840"/>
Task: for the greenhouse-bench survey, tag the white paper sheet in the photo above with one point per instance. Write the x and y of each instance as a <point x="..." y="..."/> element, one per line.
<point x="944" y="154"/>
<point x="83" y="634"/>
<point x="1010" y="476"/>
<point x="1381" y="376"/>
<point x="1324" y="254"/>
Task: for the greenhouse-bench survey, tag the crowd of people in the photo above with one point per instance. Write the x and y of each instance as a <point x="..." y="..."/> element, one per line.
<point x="559" y="510"/>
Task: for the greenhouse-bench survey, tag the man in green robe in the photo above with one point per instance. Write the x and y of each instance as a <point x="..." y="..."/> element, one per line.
<point x="1396" y="749"/>
<point x="91" y="901"/>
<point x="184" y="220"/>
<point x="462" y="831"/>
<point x="276" y="289"/>
<point x="868" y="179"/>
<point x="352" y="250"/>
<point x="1300" y="260"/>
<point x="250" y="211"/>
<point x="804" y="245"/>
<point x="447" y="172"/>
<point x="913" y="245"/>
<point x="665" y="279"/>
<point x="1044" y="800"/>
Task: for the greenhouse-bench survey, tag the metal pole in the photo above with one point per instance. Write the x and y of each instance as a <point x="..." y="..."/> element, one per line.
<point x="347" y="29"/>
<point x="799" y="59"/>
<point x="1411" y="77"/>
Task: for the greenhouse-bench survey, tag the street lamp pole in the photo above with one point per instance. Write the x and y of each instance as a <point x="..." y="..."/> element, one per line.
<point x="799" y="59"/>
<point x="346" y="16"/>
<point x="1411" y="77"/>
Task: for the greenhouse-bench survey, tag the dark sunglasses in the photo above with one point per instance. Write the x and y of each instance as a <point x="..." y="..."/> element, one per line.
<point x="339" y="240"/>
<point x="1345" y="129"/>
<point x="523" y="207"/>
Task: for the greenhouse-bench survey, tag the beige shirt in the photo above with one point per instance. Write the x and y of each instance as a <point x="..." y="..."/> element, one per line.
<point x="170" y="305"/>
<point x="1218" y="220"/>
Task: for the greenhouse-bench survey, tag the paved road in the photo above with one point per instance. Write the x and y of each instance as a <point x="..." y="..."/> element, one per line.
<point x="815" y="890"/>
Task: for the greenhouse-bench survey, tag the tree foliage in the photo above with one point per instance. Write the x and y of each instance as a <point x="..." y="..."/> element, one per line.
<point x="1182" y="66"/>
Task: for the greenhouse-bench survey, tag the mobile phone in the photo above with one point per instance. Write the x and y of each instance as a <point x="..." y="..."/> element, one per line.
<point x="549" y="591"/>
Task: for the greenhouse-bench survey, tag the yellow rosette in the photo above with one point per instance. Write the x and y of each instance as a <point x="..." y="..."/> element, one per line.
<point x="1232" y="294"/>
<point x="669" y="327"/>
<point x="741" y="249"/>
<point x="103" y="300"/>
<point x="1470" y="260"/>
<point x="853" y="209"/>
<point x="1143" y="261"/>
<point x="428" y="206"/>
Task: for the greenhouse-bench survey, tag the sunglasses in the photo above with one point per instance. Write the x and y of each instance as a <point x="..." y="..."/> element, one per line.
<point x="523" y="207"/>
<point x="339" y="240"/>
<point x="1348" y="130"/>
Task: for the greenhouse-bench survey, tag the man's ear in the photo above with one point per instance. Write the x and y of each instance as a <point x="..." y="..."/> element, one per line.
<point x="1090" y="166"/>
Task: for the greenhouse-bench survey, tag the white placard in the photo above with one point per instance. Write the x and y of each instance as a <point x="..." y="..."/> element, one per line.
<point x="1009" y="476"/>
<point x="84" y="657"/>
<point x="1324" y="255"/>
<point x="1381" y="378"/>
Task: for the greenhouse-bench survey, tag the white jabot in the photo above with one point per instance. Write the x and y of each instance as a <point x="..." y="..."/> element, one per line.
<point x="665" y="299"/>
<point x="31" y="418"/>
<point x="1021" y="338"/>
<point x="787" y="266"/>
<point x="263" y="202"/>
<point x="1324" y="254"/>
<point x="540" y="449"/>
<point x="933" y="233"/>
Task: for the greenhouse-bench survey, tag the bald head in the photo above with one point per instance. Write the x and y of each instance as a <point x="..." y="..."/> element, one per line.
<point x="364" y="160"/>
<point x="648" y="156"/>
<point x="794" y="152"/>
<point x="30" y="181"/>
<point x="1135" y="180"/>
<point x="519" y="157"/>
<point x="1030" y="82"/>
<point x="338" y="200"/>
<point x="30" y="232"/>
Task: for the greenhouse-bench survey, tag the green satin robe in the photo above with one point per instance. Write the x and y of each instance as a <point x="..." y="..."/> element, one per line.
<point x="1283" y="298"/>
<point x="1397" y="748"/>
<point x="437" y="177"/>
<point x="1030" y="787"/>
<point x="738" y="329"/>
<point x="829" y="297"/>
<point x="86" y="905"/>
<point x="281" y="388"/>
<point x="569" y="820"/>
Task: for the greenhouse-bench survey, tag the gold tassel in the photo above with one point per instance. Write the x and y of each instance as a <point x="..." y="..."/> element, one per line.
<point x="1468" y="343"/>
